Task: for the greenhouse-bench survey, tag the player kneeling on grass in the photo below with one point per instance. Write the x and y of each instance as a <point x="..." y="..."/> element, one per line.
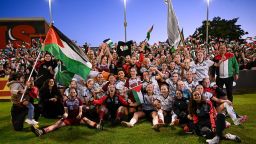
<point x="20" y="108"/>
<point x="72" y="115"/>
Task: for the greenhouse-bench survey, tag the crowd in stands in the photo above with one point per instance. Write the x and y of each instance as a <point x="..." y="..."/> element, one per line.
<point x="177" y="87"/>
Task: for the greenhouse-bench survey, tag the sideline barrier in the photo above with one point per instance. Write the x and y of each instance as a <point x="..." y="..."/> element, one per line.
<point x="4" y="89"/>
<point x="246" y="81"/>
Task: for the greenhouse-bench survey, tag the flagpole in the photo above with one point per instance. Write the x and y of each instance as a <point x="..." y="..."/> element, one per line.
<point x="125" y="22"/>
<point x="51" y="22"/>
<point x="207" y="27"/>
<point x="50" y="11"/>
<point x="25" y="89"/>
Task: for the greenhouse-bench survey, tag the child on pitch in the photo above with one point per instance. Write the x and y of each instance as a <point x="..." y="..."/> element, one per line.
<point x="33" y="92"/>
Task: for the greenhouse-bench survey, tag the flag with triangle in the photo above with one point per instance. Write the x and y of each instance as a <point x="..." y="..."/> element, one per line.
<point x="149" y="32"/>
<point x="136" y="91"/>
<point x="62" y="48"/>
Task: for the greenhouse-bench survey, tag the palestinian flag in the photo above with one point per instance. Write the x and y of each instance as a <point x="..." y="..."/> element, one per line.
<point x="109" y="42"/>
<point x="136" y="91"/>
<point x="149" y="32"/>
<point x="63" y="76"/>
<point x="62" y="48"/>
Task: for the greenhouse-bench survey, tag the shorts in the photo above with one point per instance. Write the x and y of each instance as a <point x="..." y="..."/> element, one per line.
<point x="71" y="121"/>
<point x="148" y="113"/>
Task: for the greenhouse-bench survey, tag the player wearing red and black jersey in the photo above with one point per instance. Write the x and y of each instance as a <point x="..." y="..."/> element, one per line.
<point x="113" y="104"/>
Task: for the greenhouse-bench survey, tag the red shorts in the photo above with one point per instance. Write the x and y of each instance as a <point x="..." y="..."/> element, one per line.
<point x="71" y="121"/>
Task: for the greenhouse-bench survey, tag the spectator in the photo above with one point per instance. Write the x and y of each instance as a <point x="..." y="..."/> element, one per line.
<point x="227" y="70"/>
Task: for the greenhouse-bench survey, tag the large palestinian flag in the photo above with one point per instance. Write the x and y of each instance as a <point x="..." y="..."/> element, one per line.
<point x="62" y="48"/>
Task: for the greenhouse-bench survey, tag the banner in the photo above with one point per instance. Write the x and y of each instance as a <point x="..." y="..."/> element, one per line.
<point x="4" y="89"/>
<point x="19" y="32"/>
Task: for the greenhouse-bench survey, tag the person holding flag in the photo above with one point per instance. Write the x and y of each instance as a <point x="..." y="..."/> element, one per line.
<point x="148" y="109"/>
<point x="64" y="49"/>
<point x="134" y="85"/>
<point x="21" y="108"/>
